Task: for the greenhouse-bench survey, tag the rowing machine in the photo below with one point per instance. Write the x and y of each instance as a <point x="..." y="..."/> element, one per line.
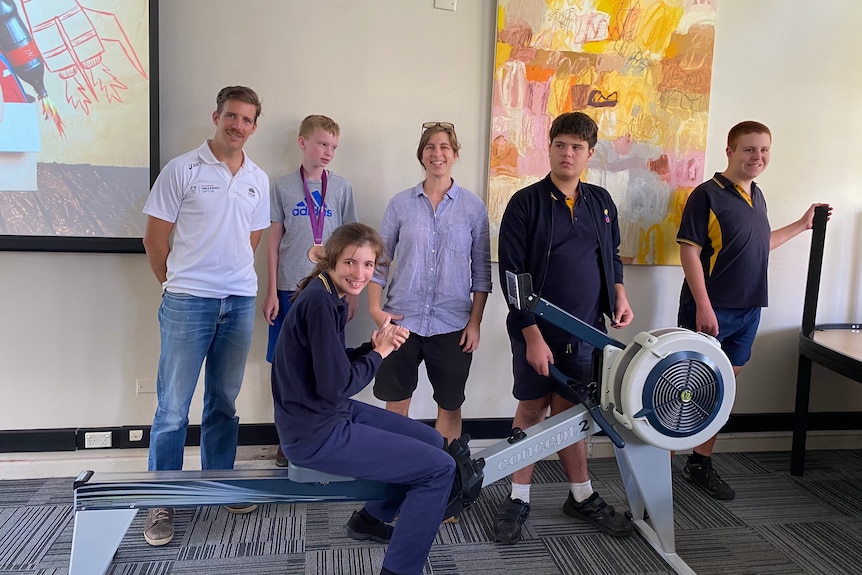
<point x="668" y="389"/>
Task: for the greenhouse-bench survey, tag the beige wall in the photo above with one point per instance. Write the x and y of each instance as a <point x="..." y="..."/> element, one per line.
<point x="78" y="330"/>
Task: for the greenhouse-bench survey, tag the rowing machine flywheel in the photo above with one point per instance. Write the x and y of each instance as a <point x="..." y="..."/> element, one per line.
<point x="672" y="387"/>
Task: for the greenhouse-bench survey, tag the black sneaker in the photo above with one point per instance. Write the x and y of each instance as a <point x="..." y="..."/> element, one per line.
<point x="280" y="459"/>
<point x="707" y="478"/>
<point x="511" y="515"/>
<point x="361" y="529"/>
<point x="600" y="514"/>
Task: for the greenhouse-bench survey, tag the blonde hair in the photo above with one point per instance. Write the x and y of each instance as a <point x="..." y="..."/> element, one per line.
<point x="315" y="121"/>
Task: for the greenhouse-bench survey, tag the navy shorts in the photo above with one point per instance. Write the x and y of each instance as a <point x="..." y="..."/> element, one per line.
<point x="736" y="329"/>
<point x="284" y="304"/>
<point x="446" y="363"/>
<point x="573" y="359"/>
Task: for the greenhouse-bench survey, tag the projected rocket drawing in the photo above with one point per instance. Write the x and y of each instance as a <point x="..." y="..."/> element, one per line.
<point x="24" y="58"/>
<point x="73" y="39"/>
<point x="75" y="119"/>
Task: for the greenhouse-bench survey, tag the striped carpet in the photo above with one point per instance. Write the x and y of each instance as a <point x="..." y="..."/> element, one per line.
<point x="777" y="524"/>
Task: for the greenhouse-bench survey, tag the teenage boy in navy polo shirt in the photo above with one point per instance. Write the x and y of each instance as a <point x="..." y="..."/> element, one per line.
<point x="724" y="243"/>
<point x="563" y="232"/>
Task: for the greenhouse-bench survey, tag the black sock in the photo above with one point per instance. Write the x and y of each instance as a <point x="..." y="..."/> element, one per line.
<point x="367" y="517"/>
<point x="696" y="458"/>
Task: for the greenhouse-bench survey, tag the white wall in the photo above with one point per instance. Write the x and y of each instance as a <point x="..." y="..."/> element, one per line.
<point x="77" y="330"/>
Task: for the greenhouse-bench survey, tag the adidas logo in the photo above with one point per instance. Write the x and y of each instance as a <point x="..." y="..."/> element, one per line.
<point x="301" y="208"/>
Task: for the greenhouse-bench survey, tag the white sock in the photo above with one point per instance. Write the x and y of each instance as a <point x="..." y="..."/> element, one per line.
<point x="581" y="491"/>
<point x="521" y="491"/>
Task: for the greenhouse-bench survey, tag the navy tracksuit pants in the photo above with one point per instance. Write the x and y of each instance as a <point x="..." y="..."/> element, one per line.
<point x="380" y="445"/>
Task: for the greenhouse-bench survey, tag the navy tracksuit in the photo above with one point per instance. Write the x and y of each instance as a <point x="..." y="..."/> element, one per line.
<point x="319" y="427"/>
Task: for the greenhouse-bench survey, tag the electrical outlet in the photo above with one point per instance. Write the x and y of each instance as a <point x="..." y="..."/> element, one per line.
<point x="145" y="386"/>
<point x="96" y="439"/>
<point x="136" y="434"/>
<point x="445" y="5"/>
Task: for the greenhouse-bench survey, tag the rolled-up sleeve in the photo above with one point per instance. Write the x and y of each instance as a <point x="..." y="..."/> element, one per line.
<point x="389" y="234"/>
<point x="480" y="256"/>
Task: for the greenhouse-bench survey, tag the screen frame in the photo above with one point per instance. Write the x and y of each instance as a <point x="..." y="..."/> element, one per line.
<point x="28" y="243"/>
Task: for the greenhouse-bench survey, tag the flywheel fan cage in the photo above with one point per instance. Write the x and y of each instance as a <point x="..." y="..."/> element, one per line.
<point x="683" y="394"/>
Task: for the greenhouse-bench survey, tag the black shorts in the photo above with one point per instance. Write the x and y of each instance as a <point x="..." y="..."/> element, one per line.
<point x="573" y="359"/>
<point x="446" y="364"/>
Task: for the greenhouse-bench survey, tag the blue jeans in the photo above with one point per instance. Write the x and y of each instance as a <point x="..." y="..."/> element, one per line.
<point x="284" y="305"/>
<point x="193" y="328"/>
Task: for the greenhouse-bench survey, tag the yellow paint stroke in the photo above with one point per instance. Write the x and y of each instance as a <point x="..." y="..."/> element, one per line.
<point x="690" y="135"/>
<point x="560" y="98"/>
<point x="647" y="128"/>
<point x="658" y="23"/>
<point x="631" y="89"/>
<point x="694" y="48"/>
<point x="502" y="55"/>
<point x="676" y="205"/>
<point x="657" y="245"/>
<point x="559" y="4"/>
<point x="651" y="245"/>
<point x="501" y="17"/>
<point x="617" y="10"/>
<point x="582" y="69"/>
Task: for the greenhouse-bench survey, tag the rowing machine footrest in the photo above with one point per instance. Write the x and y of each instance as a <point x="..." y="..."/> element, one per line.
<point x="305" y="475"/>
<point x="468" y="477"/>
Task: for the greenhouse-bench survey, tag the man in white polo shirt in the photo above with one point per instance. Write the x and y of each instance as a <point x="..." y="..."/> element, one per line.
<point x="215" y="200"/>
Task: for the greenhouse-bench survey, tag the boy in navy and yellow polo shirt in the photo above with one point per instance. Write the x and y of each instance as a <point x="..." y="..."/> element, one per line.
<point x="724" y="240"/>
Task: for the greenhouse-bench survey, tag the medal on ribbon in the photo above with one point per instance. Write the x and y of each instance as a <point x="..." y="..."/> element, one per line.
<point x="317" y="215"/>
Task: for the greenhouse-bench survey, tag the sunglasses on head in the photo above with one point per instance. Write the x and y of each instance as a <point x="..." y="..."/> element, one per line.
<point x="444" y="125"/>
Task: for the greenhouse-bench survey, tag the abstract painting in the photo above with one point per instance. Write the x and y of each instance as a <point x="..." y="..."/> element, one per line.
<point x="642" y="70"/>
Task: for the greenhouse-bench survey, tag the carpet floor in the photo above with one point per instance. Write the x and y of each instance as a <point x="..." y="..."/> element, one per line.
<point x="777" y="524"/>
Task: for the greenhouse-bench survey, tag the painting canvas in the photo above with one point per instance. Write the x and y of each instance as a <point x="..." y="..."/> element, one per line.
<point x="642" y="70"/>
<point x="78" y="137"/>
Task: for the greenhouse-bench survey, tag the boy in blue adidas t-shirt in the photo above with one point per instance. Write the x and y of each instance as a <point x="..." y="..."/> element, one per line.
<point x="307" y="206"/>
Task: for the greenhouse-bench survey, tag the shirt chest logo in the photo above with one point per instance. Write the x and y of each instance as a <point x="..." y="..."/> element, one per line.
<point x="301" y="208"/>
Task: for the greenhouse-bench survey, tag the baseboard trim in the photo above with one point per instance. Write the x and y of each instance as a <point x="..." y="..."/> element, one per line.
<point x="35" y="440"/>
<point x="72" y="439"/>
